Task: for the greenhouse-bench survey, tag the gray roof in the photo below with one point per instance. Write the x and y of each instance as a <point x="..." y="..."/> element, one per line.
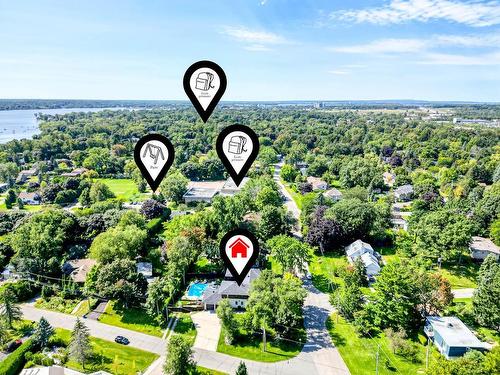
<point x="404" y="189"/>
<point x="484" y="244"/>
<point x="332" y="193"/>
<point x="214" y="294"/>
<point x="454" y="332"/>
<point x="358" y="248"/>
<point x="200" y="193"/>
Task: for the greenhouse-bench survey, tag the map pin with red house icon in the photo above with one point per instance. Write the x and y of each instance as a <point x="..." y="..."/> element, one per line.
<point x="239" y="250"/>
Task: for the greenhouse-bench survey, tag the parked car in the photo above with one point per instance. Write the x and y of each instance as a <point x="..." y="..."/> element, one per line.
<point x="13" y="345"/>
<point x="121" y="340"/>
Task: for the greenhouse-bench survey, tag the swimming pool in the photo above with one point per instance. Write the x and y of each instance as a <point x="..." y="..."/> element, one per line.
<point x="196" y="290"/>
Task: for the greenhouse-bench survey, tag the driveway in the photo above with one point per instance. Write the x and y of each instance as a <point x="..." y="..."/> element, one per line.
<point x="463" y="293"/>
<point x="289" y="202"/>
<point x="208" y="330"/>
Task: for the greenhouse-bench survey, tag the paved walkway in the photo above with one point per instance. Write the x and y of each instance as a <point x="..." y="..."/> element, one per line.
<point x="207" y="330"/>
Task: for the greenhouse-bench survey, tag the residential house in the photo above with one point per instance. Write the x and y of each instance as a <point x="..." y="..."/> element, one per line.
<point x="364" y="251"/>
<point x="23" y="176"/>
<point x="9" y="273"/>
<point x="78" y="269"/>
<point x="229" y="188"/>
<point x="404" y="193"/>
<point x="317" y="183"/>
<point x="75" y="172"/>
<point x="389" y="178"/>
<point x="333" y="194"/>
<point x="202" y="191"/>
<point x="481" y="247"/>
<point x="229" y="288"/>
<point x="451" y="336"/>
<point x="3" y="187"/>
<point x="30" y="198"/>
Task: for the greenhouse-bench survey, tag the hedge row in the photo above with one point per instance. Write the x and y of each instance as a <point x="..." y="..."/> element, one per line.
<point x="14" y="363"/>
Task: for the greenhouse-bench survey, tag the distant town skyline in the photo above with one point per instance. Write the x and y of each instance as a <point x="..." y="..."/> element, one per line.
<point x="274" y="50"/>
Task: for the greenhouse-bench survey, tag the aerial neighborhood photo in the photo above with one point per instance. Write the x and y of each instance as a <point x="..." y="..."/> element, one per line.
<point x="268" y="187"/>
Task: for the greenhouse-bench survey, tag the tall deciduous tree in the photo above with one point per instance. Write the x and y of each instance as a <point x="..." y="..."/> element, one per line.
<point x="179" y="357"/>
<point x="226" y="315"/>
<point x="174" y="186"/>
<point x="487" y="295"/>
<point x="291" y="253"/>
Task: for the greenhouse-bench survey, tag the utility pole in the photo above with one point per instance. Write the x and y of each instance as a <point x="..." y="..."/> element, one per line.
<point x="264" y="338"/>
<point x="376" y="364"/>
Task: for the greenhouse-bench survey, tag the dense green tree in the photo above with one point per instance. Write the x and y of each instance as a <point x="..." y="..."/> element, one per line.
<point x="226" y="315"/>
<point x="80" y="348"/>
<point x="8" y="172"/>
<point x="9" y="310"/>
<point x="99" y="191"/>
<point x="179" y="357"/>
<point x="290" y="253"/>
<point x="486" y="296"/>
<point x="242" y="369"/>
<point x="289" y="173"/>
<point x="43" y="332"/>
<point x="122" y="242"/>
<point x="274" y="221"/>
<point x="173" y="186"/>
<point x="267" y="157"/>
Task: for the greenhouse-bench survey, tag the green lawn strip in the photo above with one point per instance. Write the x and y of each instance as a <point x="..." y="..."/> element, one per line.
<point x="207" y="371"/>
<point x="111" y="357"/>
<point x="359" y="353"/>
<point x="185" y="327"/>
<point x="461" y="275"/>
<point x="84" y="307"/>
<point x="130" y="318"/>
<point x="248" y="346"/>
<point x="57" y="303"/>
<point x="296" y="196"/>
<point x="124" y="188"/>
<point x="323" y="269"/>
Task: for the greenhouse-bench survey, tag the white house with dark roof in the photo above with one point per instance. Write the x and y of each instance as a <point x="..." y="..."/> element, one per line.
<point x="451" y="336"/>
<point x="29" y="198"/>
<point x="481" y="247"/>
<point x="228" y="288"/>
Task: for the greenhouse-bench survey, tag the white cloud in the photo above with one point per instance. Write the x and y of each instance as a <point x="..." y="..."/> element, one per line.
<point x="469" y="12"/>
<point x="257" y="48"/>
<point x="384" y="46"/>
<point x="453" y="59"/>
<point x="244" y="34"/>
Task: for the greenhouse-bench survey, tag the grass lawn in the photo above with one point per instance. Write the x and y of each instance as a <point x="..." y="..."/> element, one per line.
<point x="84" y="307"/>
<point x="57" y="303"/>
<point x="248" y="346"/>
<point x="131" y="318"/>
<point x="323" y="269"/>
<point x="203" y="265"/>
<point x="296" y="196"/>
<point x="359" y="353"/>
<point x="111" y="357"/>
<point x="461" y="275"/>
<point x="207" y="371"/>
<point x="123" y="188"/>
<point x="185" y="327"/>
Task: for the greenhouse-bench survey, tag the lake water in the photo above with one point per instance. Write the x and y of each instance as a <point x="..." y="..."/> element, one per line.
<point x="19" y="124"/>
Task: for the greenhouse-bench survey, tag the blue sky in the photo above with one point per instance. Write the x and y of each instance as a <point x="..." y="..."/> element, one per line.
<point x="270" y="50"/>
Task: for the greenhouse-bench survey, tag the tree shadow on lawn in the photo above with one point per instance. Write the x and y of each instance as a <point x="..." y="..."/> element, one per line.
<point x="338" y="339"/>
<point x="322" y="283"/>
<point x="134" y="315"/>
<point x="184" y="325"/>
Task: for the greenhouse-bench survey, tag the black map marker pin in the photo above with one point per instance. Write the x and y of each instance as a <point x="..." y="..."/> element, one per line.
<point x="239" y="250"/>
<point x="204" y="83"/>
<point x="154" y="154"/>
<point x="237" y="147"/>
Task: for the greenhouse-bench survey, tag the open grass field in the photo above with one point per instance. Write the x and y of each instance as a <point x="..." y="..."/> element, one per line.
<point x="111" y="357"/>
<point x="124" y="188"/>
<point x="324" y="268"/>
<point x="461" y="275"/>
<point x="359" y="353"/>
<point x="130" y="318"/>
<point x="185" y="327"/>
<point x="247" y="346"/>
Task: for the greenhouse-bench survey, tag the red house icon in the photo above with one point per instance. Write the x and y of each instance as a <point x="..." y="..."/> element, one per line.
<point x="238" y="247"/>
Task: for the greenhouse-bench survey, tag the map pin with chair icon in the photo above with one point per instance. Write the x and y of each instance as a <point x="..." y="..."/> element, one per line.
<point x="204" y="83"/>
<point x="239" y="249"/>
<point x="237" y="147"/>
<point x="154" y="155"/>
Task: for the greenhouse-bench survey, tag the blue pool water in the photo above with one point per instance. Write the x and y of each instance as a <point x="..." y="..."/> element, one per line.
<point x="196" y="289"/>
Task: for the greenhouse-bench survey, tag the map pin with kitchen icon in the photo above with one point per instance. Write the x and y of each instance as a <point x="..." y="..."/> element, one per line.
<point x="204" y="83"/>
<point x="237" y="147"/>
<point x="154" y="155"/>
<point x="239" y="250"/>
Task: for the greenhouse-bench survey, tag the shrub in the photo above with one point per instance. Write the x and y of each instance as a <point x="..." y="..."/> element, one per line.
<point x="14" y="363"/>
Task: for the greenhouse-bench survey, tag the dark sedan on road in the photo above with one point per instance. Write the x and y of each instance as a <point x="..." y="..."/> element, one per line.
<point x="122" y="340"/>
